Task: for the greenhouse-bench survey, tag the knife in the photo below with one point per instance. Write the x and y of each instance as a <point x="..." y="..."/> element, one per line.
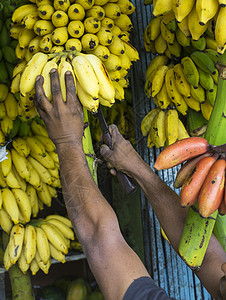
<point x="125" y="182"/>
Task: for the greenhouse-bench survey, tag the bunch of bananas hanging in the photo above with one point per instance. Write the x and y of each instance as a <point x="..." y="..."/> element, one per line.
<point x="7" y="44"/>
<point x="98" y="28"/>
<point x="35" y="244"/>
<point x="189" y="23"/>
<point x="190" y="83"/>
<point x="204" y="164"/>
<point x="163" y="127"/>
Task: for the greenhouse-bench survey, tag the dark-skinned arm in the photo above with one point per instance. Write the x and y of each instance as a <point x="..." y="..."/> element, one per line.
<point x="166" y="205"/>
<point x="114" y="264"/>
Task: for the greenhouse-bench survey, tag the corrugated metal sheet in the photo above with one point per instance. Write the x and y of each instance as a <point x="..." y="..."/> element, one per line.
<point x="166" y="267"/>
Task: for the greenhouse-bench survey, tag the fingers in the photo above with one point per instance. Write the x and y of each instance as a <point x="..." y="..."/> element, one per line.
<point x="41" y="102"/>
<point x="113" y="129"/>
<point x="55" y="86"/>
<point x="105" y="151"/>
<point x="72" y="98"/>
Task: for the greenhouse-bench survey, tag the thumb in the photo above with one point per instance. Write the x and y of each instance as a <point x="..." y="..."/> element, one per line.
<point x="105" y="151"/>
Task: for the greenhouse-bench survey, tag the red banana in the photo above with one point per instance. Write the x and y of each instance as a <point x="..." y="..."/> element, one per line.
<point x="222" y="207"/>
<point x="212" y="190"/>
<point x="190" y="190"/>
<point x="187" y="168"/>
<point x="181" y="151"/>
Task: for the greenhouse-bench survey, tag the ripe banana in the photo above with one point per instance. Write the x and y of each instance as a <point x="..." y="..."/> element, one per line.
<point x="76" y="12"/>
<point x="43" y="27"/>
<point x="86" y="100"/>
<point x="42" y="245"/>
<point x="41" y="170"/>
<point x="60" y="18"/>
<point x="64" y="229"/>
<point x="64" y="66"/>
<point x="89" y="41"/>
<point x="20" y="163"/>
<point x="206" y="10"/>
<point x="220" y="35"/>
<point x="171" y="126"/>
<point x="23" y="203"/>
<point x="29" y="243"/>
<point x="15" y="242"/>
<point x="22" y="11"/>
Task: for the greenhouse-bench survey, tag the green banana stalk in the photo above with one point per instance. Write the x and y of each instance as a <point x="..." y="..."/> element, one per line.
<point x="88" y="146"/>
<point x="197" y="230"/>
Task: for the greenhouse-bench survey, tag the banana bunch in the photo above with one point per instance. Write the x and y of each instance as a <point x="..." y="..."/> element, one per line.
<point x="34" y="245"/>
<point x="203" y="165"/>
<point x="196" y="23"/>
<point x="28" y="177"/>
<point x="192" y="83"/>
<point x="163" y="127"/>
<point x="7" y="44"/>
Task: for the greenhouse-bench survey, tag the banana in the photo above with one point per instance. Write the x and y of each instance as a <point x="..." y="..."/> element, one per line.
<point x="167" y="34"/>
<point x="46" y="161"/>
<point x="22" y="263"/>
<point x="20" y="53"/>
<point x="25" y="36"/>
<point x="222" y="3"/>
<point x="105" y="102"/>
<point x="181" y="151"/>
<point x="198" y="94"/>
<point x="104" y="36"/>
<point x="41" y="170"/>
<point x="20" y="180"/>
<point x="206" y="80"/>
<point x="16" y="242"/>
<point x="19" y="68"/>
<point x="3" y="184"/>
<point x="60" y="18"/>
<point x="86" y="100"/>
<point x="73" y="44"/>
<point x="55" y="237"/>
<point x="182" y="9"/>
<point x="15" y="84"/>
<point x="96" y="11"/>
<point x="220" y="35"/>
<point x="47" y="142"/>
<point x="6" y="125"/>
<point x="35" y="146"/>
<point x="211" y="95"/>
<point x="203" y="61"/>
<point x="206" y="10"/>
<point x="34" y="267"/>
<point x="76" y="12"/>
<point x="60" y="35"/>
<point x="106" y="88"/>
<point x="161" y="7"/>
<point x="22" y="11"/>
<point x="113" y="63"/>
<point x="51" y="64"/>
<point x="158" y="80"/>
<point x="162" y="98"/>
<point x="11" y="106"/>
<point x="56" y="254"/>
<point x="38" y="129"/>
<point x="195" y="28"/>
<point x="6" y="258"/>
<point x="33" y="46"/>
<point x="199" y="44"/>
<point x="100" y="2"/>
<point x="190" y="71"/>
<point x="61" y="5"/>
<point x="11" y="180"/>
<point x="64" y="229"/>
<point x="182" y="39"/>
<point x="15" y="31"/>
<point x="64" y="220"/>
<point x="2" y="111"/>
<point x="181" y="83"/>
<point x="23" y="203"/>
<point x="84" y="71"/>
<point x="42" y="245"/>
<point x="45" y="11"/>
<point x="76" y="29"/>
<point x="54" y="156"/>
<point x="29" y="20"/>
<point x="6" y="164"/>
<point x="101" y="51"/>
<point x="20" y="163"/>
<point x="119" y="92"/>
<point x="3" y="92"/>
<point x="45" y="43"/>
<point x="6" y="222"/>
<point x="213" y="55"/>
<point x="112" y="10"/>
<point x="52" y="190"/>
<point x="170" y="21"/>
<point x="157" y="131"/>
<point x="115" y="75"/>
<point x="126" y="7"/>
<point x="171" y="126"/>
<point x="160" y="44"/>
<point x="147" y="121"/>
<point x="124" y="22"/>
<point x="42" y="266"/>
<point x="91" y="25"/>
<point x="43" y="27"/>
<point x="206" y="109"/>
<point x="158" y="60"/>
<point x="89" y="41"/>
<point x="131" y="51"/>
<point x="31" y="71"/>
<point x="31" y="192"/>
<point x="42" y="2"/>
<point x="117" y="46"/>
<point x="192" y="103"/>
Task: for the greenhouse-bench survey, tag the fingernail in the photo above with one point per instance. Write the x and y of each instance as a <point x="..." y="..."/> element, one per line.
<point x="53" y="70"/>
<point x="38" y="77"/>
<point x="68" y="73"/>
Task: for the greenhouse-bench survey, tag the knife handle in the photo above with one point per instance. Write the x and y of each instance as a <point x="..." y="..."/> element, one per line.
<point x="125" y="182"/>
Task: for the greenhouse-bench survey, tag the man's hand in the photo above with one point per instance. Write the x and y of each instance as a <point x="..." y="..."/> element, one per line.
<point x="64" y="120"/>
<point x="122" y="155"/>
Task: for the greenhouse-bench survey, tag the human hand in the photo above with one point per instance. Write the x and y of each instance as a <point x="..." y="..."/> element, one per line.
<point x="122" y="155"/>
<point x="63" y="120"/>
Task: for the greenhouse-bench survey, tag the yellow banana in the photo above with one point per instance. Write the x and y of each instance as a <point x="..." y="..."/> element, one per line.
<point x="32" y="70"/>
<point x="86" y="100"/>
<point x="76" y="12"/>
<point x="220" y="35"/>
<point x="182" y="8"/>
<point x="23" y="203"/>
<point x="22" y="11"/>
<point x="64" y="229"/>
<point x="59" y="5"/>
<point x="20" y="163"/>
<point x="6" y="258"/>
<point x="47" y="142"/>
<point x="59" y="18"/>
<point x="161" y="7"/>
<point x="206" y="10"/>
<point x="6" y="125"/>
<point x="29" y="20"/>
<point x="44" y="195"/>
<point x="41" y="170"/>
<point x="64" y="220"/>
<point x="21" y="146"/>
<point x="158" y="133"/>
<point x="43" y="27"/>
<point x="29" y="243"/>
<point x="11" y="106"/>
<point x="51" y="64"/>
<point x="42" y="245"/>
<point x="147" y="121"/>
<point x="19" y="68"/>
<point x="5" y="221"/>
<point x="113" y="63"/>
<point x="6" y="164"/>
<point x="16" y="242"/>
<point x="195" y="28"/>
<point x="182" y="85"/>
<point x="171" y="126"/>
<point x="42" y="266"/>
<point x="45" y="11"/>
<point x="131" y="51"/>
<point x="64" y="66"/>
<point x="206" y="109"/>
<point x="35" y="146"/>
<point x="11" y="180"/>
<point x="33" y="46"/>
<point x="46" y="161"/>
<point x="25" y="36"/>
<point x="38" y="129"/>
<point x="182" y="132"/>
<point x="119" y="91"/>
<point x="60" y="35"/>
<point x="22" y="263"/>
<point x="73" y="44"/>
<point x="34" y="267"/>
<point x="56" y="254"/>
<point x="192" y="103"/>
<point x="162" y="98"/>
<point x="31" y="192"/>
<point x="34" y="179"/>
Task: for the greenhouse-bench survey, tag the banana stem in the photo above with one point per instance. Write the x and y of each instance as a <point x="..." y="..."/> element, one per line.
<point x="20" y="283"/>
<point x="88" y="147"/>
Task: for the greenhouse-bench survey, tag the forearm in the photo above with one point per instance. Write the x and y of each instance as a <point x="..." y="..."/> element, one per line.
<point x="87" y="208"/>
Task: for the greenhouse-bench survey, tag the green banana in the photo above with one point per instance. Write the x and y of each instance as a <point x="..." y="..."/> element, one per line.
<point x="182" y="39"/>
<point x="213" y="54"/>
<point x="195" y="237"/>
<point x="211" y="95"/>
<point x="3" y="72"/>
<point x="9" y="54"/>
<point x="16" y="126"/>
<point x="219" y="230"/>
<point x="199" y="44"/>
<point x="4" y="37"/>
<point x="206" y="80"/>
<point x="190" y="71"/>
<point x="24" y="129"/>
<point x="203" y="61"/>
